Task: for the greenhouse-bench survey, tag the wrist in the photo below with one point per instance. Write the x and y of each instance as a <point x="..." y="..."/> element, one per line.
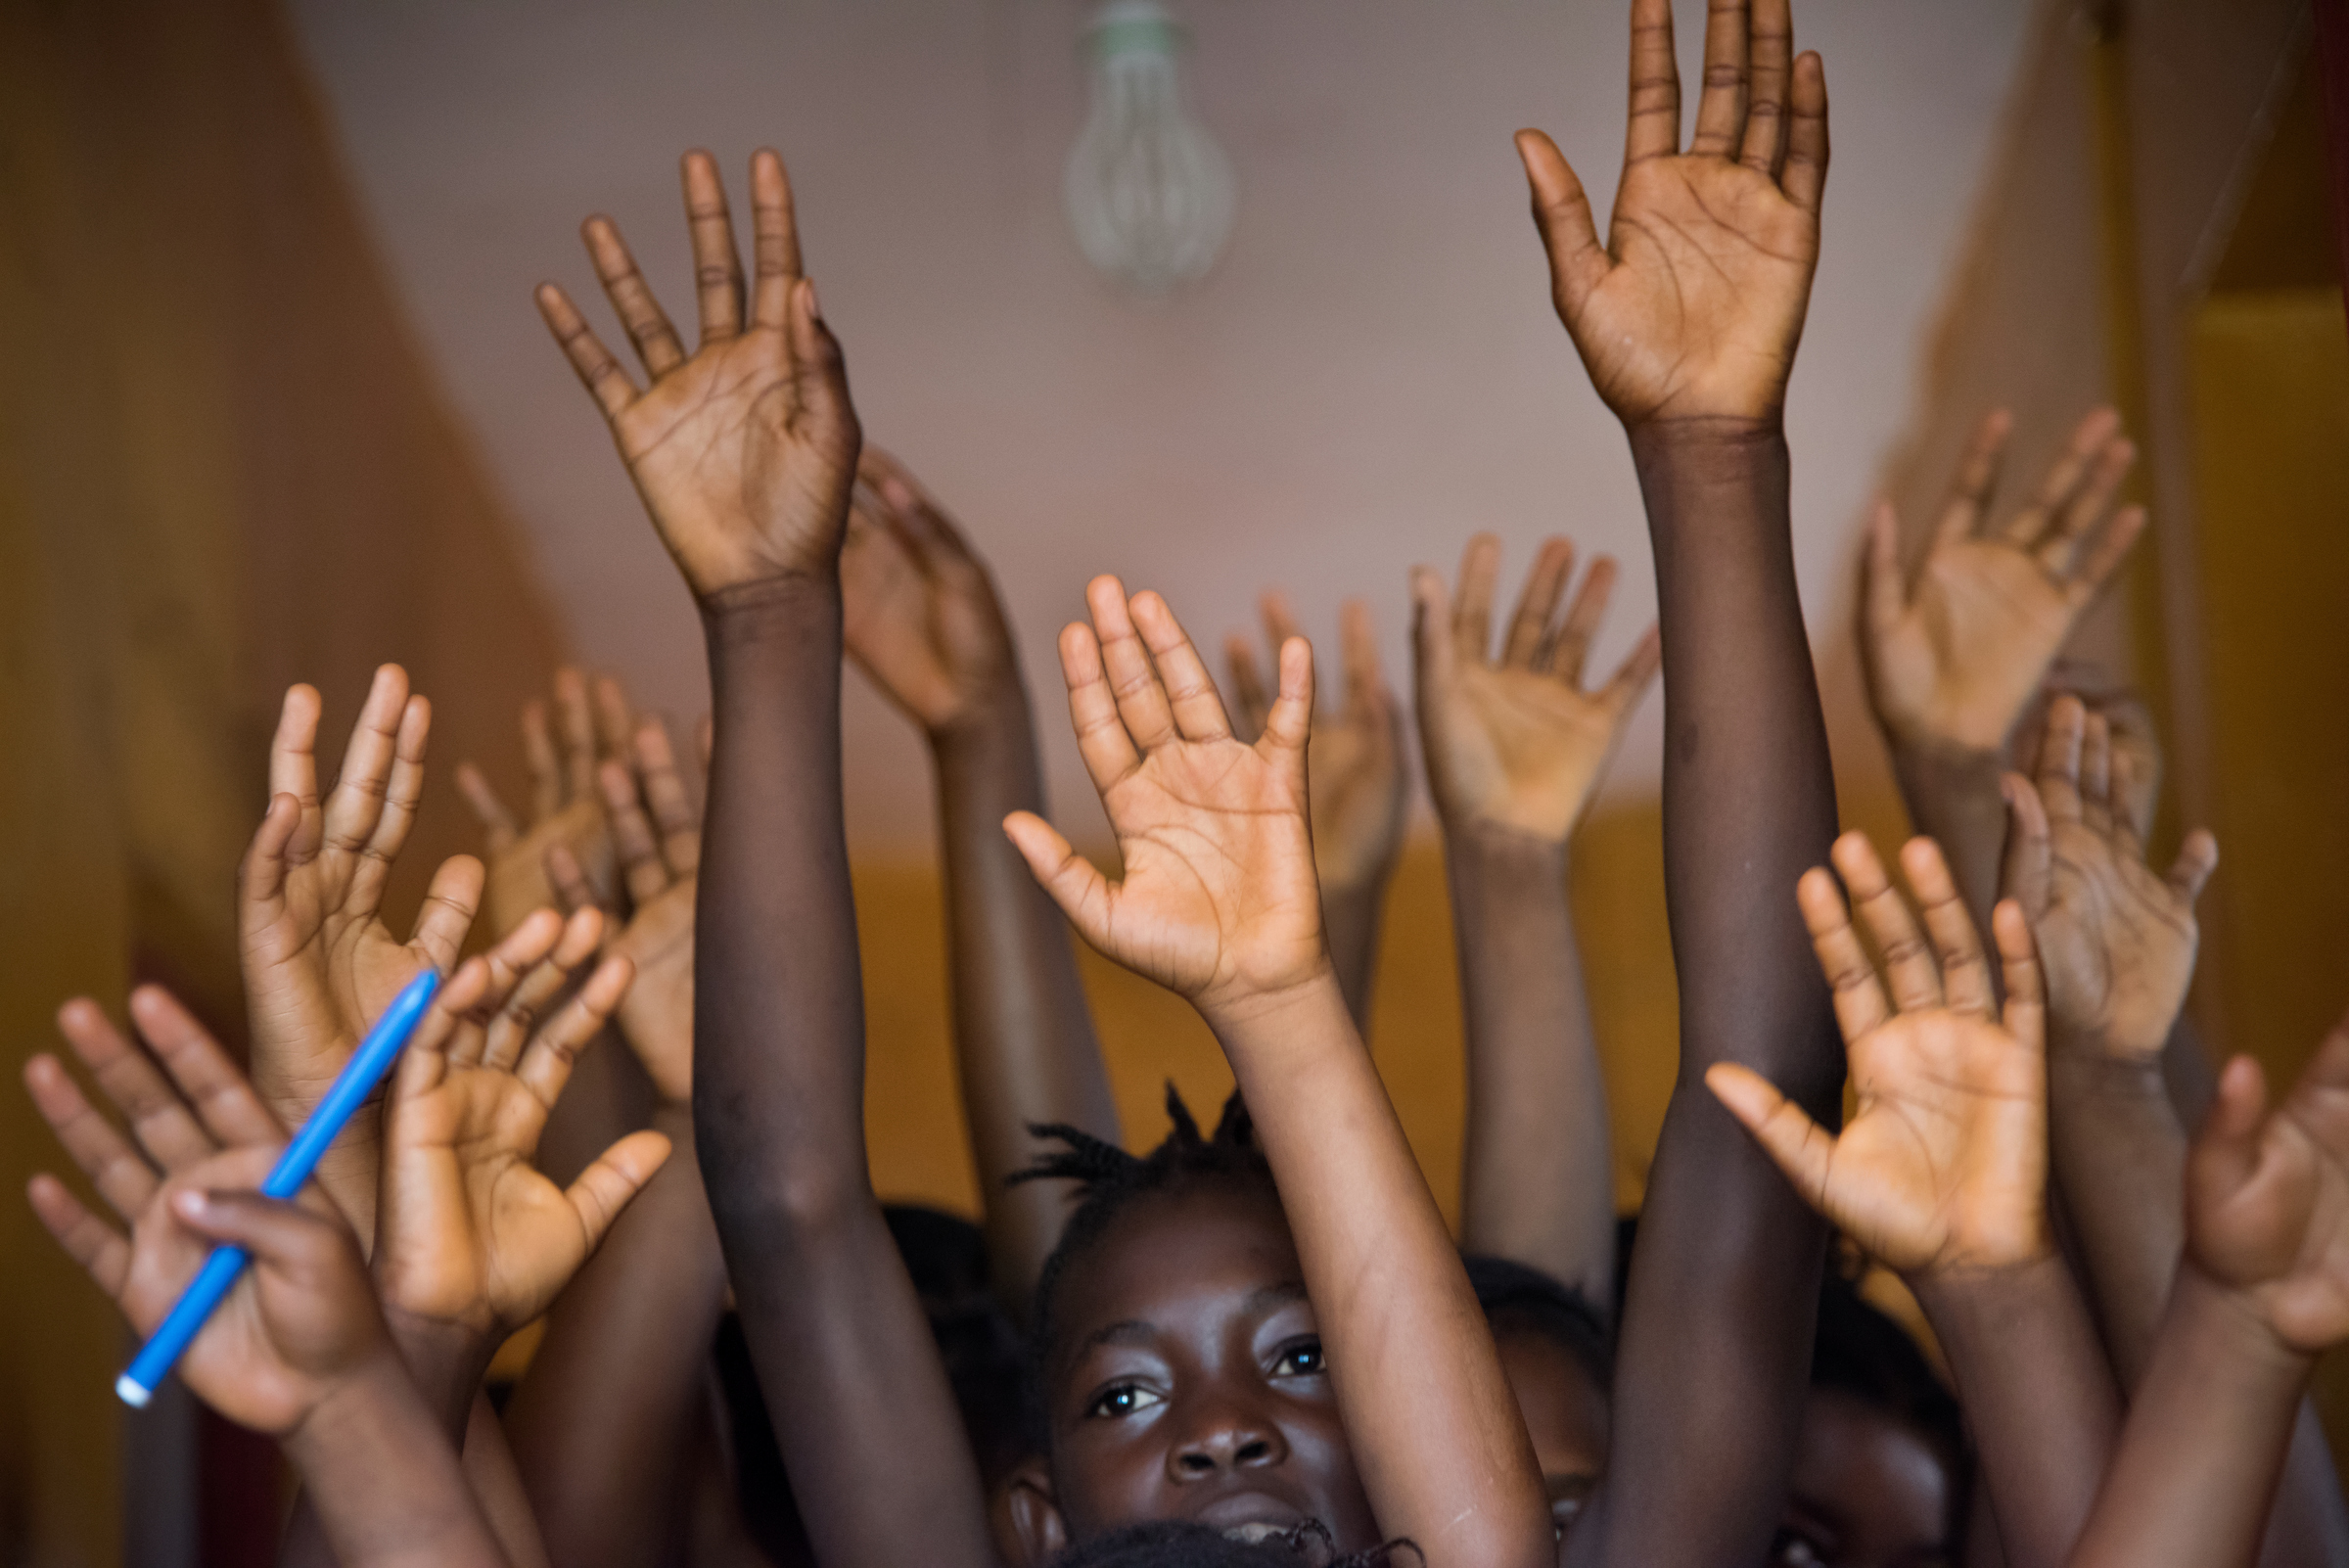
<point x="1479" y="843"/>
<point x="2087" y="1067"/>
<point x="1926" y="759"/>
<point x="444" y="1356"/>
<point x="993" y="726"/>
<point x="2232" y="1324"/>
<point x="364" y="1399"/>
<point x="2012" y="1285"/>
<point x="1252" y="1012"/>
<point x="746" y="611"/>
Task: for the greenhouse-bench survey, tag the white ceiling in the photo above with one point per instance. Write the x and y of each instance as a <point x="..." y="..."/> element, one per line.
<point x="1372" y="372"/>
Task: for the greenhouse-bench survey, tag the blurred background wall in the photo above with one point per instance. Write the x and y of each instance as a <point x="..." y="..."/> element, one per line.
<point x="277" y="407"/>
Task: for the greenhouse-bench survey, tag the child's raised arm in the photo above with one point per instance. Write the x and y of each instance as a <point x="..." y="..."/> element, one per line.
<point x="745" y="451"/>
<point x="1515" y="750"/>
<point x="2118" y="942"/>
<point x="2263" y="1290"/>
<point x="1358" y="791"/>
<point x="1687" y="321"/>
<point x="1219" y="902"/>
<point x="924" y="621"/>
<point x="1943" y="1175"/>
<point x="298" y="1349"/>
<point x="604" y="1420"/>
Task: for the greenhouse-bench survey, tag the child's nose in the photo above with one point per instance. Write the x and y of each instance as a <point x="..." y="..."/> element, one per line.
<point x="1230" y="1442"/>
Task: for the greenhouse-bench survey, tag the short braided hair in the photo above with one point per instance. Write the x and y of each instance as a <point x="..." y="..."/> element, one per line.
<point x="1109" y="1179"/>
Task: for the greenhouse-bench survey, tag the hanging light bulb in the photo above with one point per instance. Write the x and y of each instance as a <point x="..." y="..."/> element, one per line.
<point x="1149" y="193"/>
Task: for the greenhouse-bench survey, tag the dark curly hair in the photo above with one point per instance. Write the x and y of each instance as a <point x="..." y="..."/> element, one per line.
<point x="1521" y="1299"/>
<point x="1109" y="1179"/>
<point x="1183" y="1543"/>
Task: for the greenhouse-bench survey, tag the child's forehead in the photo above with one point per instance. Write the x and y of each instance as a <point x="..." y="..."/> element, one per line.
<point x="1220" y="1239"/>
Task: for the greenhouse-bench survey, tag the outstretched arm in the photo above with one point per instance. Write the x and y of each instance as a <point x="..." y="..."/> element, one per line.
<point x="1687" y="322"/>
<point x="2263" y="1290"/>
<point x="1515" y="750"/>
<point x="1219" y="902"/>
<point x="1943" y="1175"/>
<point x="2119" y="945"/>
<point x="1356" y="761"/>
<point x="604" y="1419"/>
<point x="744" y="453"/>
<point x="923" y="619"/>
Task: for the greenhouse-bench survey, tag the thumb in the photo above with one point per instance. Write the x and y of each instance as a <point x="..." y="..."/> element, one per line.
<point x="1883" y="594"/>
<point x="2028" y="865"/>
<point x="1290" y="721"/>
<point x="279" y="1233"/>
<point x="618" y="1174"/>
<point x="1071" y="881"/>
<point x="1562" y="213"/>
<point x="1801" y="1149"/>
<point x="2225" y="1152"/>
<point x="1432" y="647"/>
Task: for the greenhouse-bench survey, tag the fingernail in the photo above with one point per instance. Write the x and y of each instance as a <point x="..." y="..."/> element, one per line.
<point x="193" y="1204"/>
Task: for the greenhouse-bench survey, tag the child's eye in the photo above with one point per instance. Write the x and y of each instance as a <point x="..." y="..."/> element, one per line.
<point x="1302" y="1359"/>
<point x="1123" y="1399"/>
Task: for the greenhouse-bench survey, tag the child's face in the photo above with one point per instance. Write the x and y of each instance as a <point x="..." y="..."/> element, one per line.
<point x="1565" y="1414"/>
<point x="1868" y="1490"/>
<point x="1188" y="1381"/>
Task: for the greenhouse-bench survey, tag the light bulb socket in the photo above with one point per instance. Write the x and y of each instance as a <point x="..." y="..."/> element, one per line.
<point x="1124" y="27"/>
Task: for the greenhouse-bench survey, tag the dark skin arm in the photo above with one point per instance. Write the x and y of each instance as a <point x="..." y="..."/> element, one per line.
<point x="607" y="1411"/>
<point x="1943" y="1175"/>
<point x="745" y="452"/>
<point x="923" y="621"/>
<point x="1515" y="750"/>
<point x="1687" y="322"/>
<point x="2260" y="1293"/>
<point x="2120" y="943"/>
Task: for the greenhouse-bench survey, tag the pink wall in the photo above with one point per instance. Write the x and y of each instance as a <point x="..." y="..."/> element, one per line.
<point x="1372" y="373"/>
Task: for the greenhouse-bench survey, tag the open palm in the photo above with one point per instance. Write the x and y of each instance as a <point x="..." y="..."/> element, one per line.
<point x="1516" y="743"/>
<point x="1694" y="305"/>
<point x="470" y="1232"/>
<point x="2268" y="1196"/>
<point x="319" y="964"/>
<point x="1954" y="657"/>
<point x="1218" y="897"/>
<point x="2117" y="940"/>
<point x="1945" y="1165"/>
<point x="744" y="451"/>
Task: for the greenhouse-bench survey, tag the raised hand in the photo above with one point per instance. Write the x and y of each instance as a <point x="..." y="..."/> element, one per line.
<point x="2136" y="743"/>
<point x="744" y="451"/>
<point x="1518" y="744"/>
<point x="564" y="808"/>
<point x="1954" y="655"/>
<point x="1945" y="1167"/>
<point x="320" y="964"/>
<point x="2116" y="941"/>
<point x="2267" y="1198"/>
<point x="1217" y="899"/>
<point x="469" y="1232"/>
<point x="1694" y="306"/>
<point x="1354" y="756"/>
<point x="919" y="613"/>
<point x="657" y="827"/>
<point x="301" y="1320"/>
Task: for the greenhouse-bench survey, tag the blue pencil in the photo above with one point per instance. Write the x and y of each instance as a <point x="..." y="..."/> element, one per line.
<point x="351" y="1087"/>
